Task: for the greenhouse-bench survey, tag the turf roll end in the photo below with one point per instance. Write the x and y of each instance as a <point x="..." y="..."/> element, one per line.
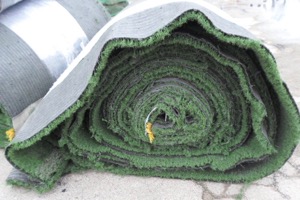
<point x="189" y="99"/>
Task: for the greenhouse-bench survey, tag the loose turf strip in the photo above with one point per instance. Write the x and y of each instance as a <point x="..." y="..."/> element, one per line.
<point x="187" y="101"/>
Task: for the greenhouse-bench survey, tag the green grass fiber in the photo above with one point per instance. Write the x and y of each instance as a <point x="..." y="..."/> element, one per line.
<point x="223" y="112"/>
<point x="5" y="124"/>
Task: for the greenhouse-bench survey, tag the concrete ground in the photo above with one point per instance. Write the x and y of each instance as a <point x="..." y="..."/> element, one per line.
<point x="284" y="42"/>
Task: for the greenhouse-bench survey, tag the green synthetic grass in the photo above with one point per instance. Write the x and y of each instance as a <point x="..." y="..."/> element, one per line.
<point x="5" y="124"/>
<point x="223" y="113"/>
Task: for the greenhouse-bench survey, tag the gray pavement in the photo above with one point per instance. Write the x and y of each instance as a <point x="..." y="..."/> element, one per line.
<point x="283" y="184"/>
<point x="89" y="185"/>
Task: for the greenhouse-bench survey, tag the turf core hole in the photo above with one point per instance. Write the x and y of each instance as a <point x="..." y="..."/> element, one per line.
<point x="163" y="121"/>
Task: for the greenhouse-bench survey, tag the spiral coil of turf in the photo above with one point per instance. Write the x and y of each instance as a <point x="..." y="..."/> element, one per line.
<point x="170" y="90"/>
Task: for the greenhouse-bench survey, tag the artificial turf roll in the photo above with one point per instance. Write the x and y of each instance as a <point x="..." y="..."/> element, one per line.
<point x="167" y="89"/>
<point x="35" y="52"/>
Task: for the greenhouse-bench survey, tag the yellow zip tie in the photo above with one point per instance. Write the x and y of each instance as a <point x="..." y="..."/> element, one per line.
<point x="148" y="127"/>
<point x="150" y="132"/>
<point x="10" y="134"/>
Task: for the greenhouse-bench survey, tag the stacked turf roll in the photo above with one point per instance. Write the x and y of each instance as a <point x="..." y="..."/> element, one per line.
<point x="191" y="96"/>
<point x="36" y="47"/>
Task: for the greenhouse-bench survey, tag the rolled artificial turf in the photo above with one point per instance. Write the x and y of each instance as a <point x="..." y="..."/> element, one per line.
<point x="170" y="90"/>
<point x="25" y="75"/>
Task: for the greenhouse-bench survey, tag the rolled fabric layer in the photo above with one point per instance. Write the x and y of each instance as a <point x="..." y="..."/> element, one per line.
<point x="39" y="39"/>
<point x="169" y="89"/>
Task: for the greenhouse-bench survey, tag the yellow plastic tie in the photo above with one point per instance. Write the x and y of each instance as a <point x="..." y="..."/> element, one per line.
<point x="10" y="134"/>
<point x="150" y="132"/>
